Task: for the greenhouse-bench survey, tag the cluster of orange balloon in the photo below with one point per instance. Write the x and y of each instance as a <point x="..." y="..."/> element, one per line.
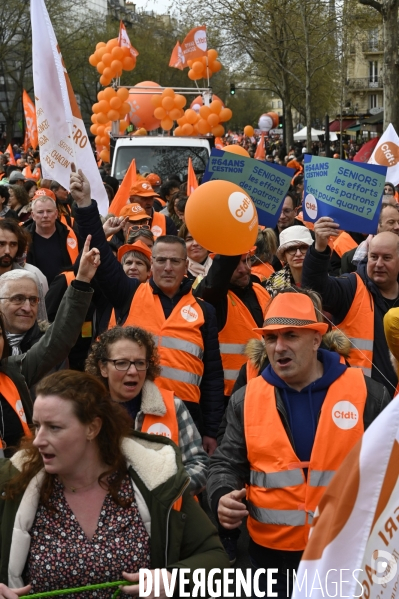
<point x="110" y="60"/>
<point x="204" y="67"/>
<point x="168" y="107"/>
<point x="249" y="131"/>
<point x="111" y="106"/>
<point x="207" y="120"/>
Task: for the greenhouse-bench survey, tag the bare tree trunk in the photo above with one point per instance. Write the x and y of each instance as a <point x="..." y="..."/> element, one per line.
<point x="308" y="109"/>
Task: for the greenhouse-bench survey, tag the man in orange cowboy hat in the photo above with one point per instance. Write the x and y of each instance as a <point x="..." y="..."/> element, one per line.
<point x="288" y="431"/>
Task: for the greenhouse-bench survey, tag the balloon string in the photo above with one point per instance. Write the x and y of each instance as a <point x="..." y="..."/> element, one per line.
<point x="88" y="587"/>
<point x="346" y="337"/>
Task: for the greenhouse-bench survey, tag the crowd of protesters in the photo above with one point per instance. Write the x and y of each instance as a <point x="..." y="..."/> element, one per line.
<point x="140" y="374"/>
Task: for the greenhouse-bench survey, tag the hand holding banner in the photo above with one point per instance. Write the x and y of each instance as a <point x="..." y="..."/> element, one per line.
<point x="348" y="192"/>
<point x="266" y="183"/>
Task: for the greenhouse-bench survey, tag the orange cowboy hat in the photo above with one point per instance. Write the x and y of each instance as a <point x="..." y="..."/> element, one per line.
<point x="288" y="312"/>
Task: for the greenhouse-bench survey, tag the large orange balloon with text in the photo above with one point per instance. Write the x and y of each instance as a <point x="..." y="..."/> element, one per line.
<point x="222" y="218"/>
<point x="142" y="109"/>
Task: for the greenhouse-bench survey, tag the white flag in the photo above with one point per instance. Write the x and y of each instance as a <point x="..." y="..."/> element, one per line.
<point x="386" y="153"/>
<point x="353" y="550"/>
<point x="62" y="134"/>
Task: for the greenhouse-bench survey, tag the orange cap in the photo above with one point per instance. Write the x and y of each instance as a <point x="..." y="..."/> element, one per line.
<point x="134" y="212"/>
<point x="154" y="179"/>
<point x="287" y="311"/>
<point x="43" y="191"/>
<point x="138" y="246"/>
<point x="142" y="188"/>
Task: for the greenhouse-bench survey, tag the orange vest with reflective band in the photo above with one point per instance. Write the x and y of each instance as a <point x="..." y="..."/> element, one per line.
<point x="252" y="371"/>
<point x="344" y="243"/>
<point x="236" y="333"/>
<point x="72" y="244"/>
<point x="163" y="425"/>
<point x="63" y="219"/>
<point x="280" y="501"/>
<point x="358" y="325"/>
<point x="178" y="338"/>
<point x="11" y="395"/>
<point x="263" y="271"/>
<point x="158" y="224"/>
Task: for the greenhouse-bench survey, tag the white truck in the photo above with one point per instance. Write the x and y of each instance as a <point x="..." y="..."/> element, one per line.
<point x="161" y="154"/>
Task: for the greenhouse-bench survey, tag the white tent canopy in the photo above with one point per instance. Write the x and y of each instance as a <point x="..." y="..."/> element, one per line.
<point x="301" y="135"/>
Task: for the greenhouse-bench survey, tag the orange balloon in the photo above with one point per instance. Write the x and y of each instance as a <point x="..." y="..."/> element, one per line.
<point x="187" y="129"/>
<point x="193" y="75"/>
<point x="100" y="45"/>
<point x="215" y="66"/>
<point x="105" y="140"/>
<point x="117" y="53"/>
<point x="178" y="132"/>
<point x="93" y="118"/>
<point x="93" y="128"/>
<point x="213" y="119"/>
<point x="123" y="93"/>
<point x="93" y="60"/>
<point x="116" y="66"/>
<point x="190" y="63"/>
<point x="103" y="106"/>
<point x="216" y="106"/>
<point x="198" y="100"/>
<point x="225" y="115"/>
<point x="198" y="67"/>
<point x="235" y="149"/>
<point x="142" y="113"/>
<point x="228" y="226"/>
<point x="191" y="116"/>
<point x="275" y="118"/>
<point x="100" y="52"/>
<point x="100" y="95"/>
<point x="112" y="43"/>
<point x="100" y="130"/>
<point x="108" y="73"/>
<point x="156" y="100"/>
<point x="180" y="101"/>
<point x="174" y="114"/>
<point x="124" y="109"/>
<point x="107" y="59"/>
<point x="100" y="67"/>
<point x="116" y="103"/>
<point x="102" y="118"/>
<point x="167" y="124"/>
<point x="113" y="115"/>
<point x="212" y="55"/>
<point x="128" y="63"/>
<point x="104" y="155"/>
<point x="168" y="92"/>
<point x="203" y="127"/>
<point x="182" y="120"/>
<point x="249" y="131"/>
<point x="105" y="80"/>
<point x="97" y="140"/>
<point x="168" y="103"/>
<point x="204" y="111"/>
<point x="160" y="113"/>
<point x="109" y="93"/>
<point x="96" y="108"/>
<point x="218" y="131"/>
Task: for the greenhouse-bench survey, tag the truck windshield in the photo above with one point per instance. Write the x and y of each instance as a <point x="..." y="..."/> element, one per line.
<point x="162" y="160"/>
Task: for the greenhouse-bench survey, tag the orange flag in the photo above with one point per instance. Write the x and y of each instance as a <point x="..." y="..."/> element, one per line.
<point x="194" y="44"/>
<point x="26" y="141"/>
<point x="11" y="154"/>
<point x="192" y="182"/>
<point x="260" y="153"/>
<point x="122" y="195"/>
<point x="177" y="59"/>
<point x="124" y="41"/>
<point x="30" y="118"/>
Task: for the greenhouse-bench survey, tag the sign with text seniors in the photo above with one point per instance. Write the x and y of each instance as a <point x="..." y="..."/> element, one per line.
<point x="348" y="192"/>
<point x="266" y="183"/>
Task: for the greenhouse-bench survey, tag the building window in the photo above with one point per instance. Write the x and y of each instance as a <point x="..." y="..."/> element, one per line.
<point x="373" y="101"/>
<point x="279" y="104"/>
<point x="373" y="39"/>
<point x="373" y="73"/>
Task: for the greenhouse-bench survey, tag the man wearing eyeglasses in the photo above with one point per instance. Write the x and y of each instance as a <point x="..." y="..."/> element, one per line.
<point x="185" y="327"/>
<point x="142" y="193"/>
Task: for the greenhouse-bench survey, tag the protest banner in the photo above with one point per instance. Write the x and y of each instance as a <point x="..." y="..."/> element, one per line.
<point x="30" y="118"/>
<point x="386" y="153"/>
<point x="62" y="134"/>
<point x="265" y="183"/>
<point x="348" y="192"/>
<point x="353" y="549"/>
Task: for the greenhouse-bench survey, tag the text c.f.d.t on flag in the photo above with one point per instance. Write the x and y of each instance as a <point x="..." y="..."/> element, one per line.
<point x="62" y="134"/>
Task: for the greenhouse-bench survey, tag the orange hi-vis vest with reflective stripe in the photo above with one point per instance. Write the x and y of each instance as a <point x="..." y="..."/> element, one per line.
<point x="158" y="224"/>
<point x="165" y="425"/>
<point x="72" y="244"/>
<point x="280" y="501"/>
<point x="344" y="243"/>
<point x="178" y="338"/>
<point x="11" y="395"/>
<point x="358" y="325"/>
<point x="236" y="333"/>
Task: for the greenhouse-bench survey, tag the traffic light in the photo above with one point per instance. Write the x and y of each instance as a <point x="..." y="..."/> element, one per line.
<point x="232" y="89"/>
<point x="281" y="122"/>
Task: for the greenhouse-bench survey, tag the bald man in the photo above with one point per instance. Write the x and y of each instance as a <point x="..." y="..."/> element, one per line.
<point x="358" y="301"/>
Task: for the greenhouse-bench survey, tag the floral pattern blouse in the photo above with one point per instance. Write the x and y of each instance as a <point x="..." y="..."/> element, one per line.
<point x="61" y="556"/>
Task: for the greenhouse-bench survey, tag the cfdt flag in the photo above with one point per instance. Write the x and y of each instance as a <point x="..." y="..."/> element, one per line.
<point x="194" y="44"/>
<point x="30" y="118"/>
<point x="177" y="59"/>
<point x="386" y="153"/>
<point x="62" y="135"/>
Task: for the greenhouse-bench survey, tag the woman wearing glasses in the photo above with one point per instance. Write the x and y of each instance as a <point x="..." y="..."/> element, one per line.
<point x="127" y="361"/>
<point x="294" y="243"/>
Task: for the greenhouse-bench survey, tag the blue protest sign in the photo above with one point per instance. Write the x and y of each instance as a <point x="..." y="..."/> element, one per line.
<point x="265" y="182"/>
<point x="348" y="192"/>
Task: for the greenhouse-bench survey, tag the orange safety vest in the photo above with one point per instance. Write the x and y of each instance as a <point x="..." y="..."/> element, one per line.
<point x="158" y="224"/>
<point x="358" y="325"/>
<point x="163" y="425"/>
<point x="263" y="271"/>
<point x="27" y="172"/>
<point x="63" y="219"/>
<point x="72" y="244"/>
<point x="343" y="243"/>
<point x="252" y="371"/>
<point x="280" y="501"/>
<point x="307" y="223"/>
<point x="178" y="338"/>
<point x="236" y="333"/>
<point x="11" y="395"/>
